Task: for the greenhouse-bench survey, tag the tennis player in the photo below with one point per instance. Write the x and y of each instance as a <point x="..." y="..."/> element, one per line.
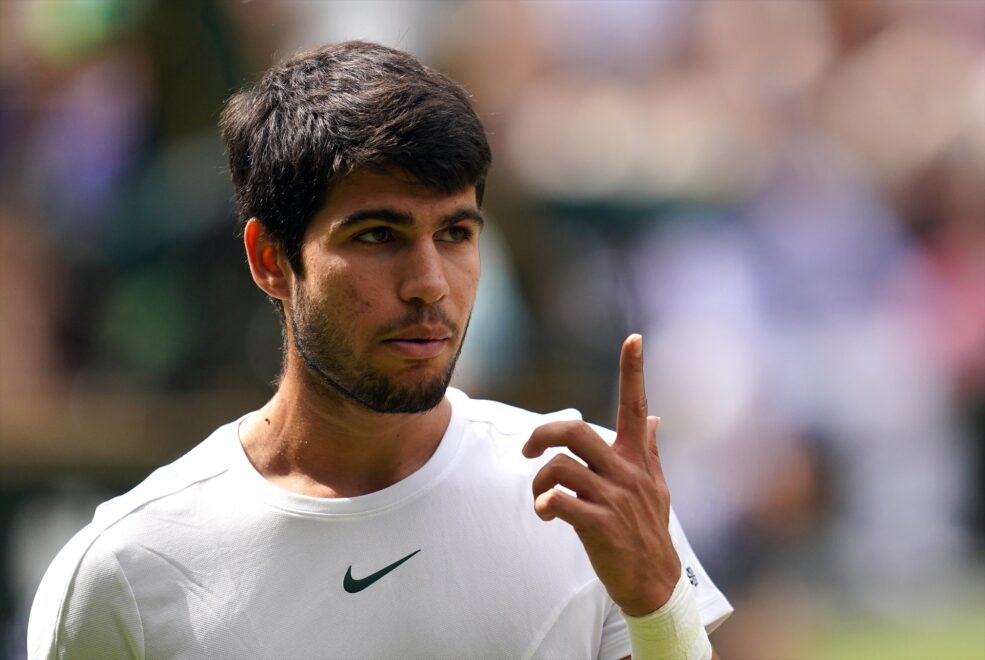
<point x="368" y="510"/>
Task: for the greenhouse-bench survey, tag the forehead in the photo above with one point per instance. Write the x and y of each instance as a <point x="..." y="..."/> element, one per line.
<point x="367" y="189"/>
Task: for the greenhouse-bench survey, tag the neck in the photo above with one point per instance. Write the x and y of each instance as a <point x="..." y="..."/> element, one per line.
<point x="317" y="442"/>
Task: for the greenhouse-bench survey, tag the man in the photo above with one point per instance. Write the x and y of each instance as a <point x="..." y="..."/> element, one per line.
<point x="368" y="510"/>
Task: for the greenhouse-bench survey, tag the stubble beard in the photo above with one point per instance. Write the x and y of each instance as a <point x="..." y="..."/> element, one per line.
<point x="331" y="361"/>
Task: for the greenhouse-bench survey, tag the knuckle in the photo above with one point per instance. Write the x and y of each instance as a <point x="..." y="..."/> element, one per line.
<point x="551" y="433"/>
<point x="646" y="486"/>
<point x="550" y="428"/>
<point x="558" y="462"/>
<point x="572" y="426"/>
<point x="552" y="499"/>
<point x="537" y="435"/>
<point x="632" y="473"/>
<point x="603" y="492"/>
<point x="637" y="406"/>
<point x="558" y="467"/>
<point x="605" y="527"/>
<point x="659" y="488"/>
<point x="542" y="481"/>
<point x="618" y="498"/>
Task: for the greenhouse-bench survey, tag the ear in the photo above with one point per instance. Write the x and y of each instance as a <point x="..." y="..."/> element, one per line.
<point x="269" y="265"/>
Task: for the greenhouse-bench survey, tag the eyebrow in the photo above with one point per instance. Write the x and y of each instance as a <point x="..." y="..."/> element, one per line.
<point x="392" y="216"/>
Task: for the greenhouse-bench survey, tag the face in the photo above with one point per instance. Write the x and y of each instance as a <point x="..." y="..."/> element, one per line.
<point x="390" y="275"/>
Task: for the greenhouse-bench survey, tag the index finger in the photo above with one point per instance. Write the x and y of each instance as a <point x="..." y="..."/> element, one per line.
<point x="632" y="413"/>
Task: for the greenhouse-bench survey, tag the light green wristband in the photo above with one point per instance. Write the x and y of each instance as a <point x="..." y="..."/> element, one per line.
<point x="673" y="632"/>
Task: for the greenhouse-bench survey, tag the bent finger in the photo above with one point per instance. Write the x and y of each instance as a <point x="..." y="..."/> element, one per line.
<point x="575" y="436"/>
<point x="580" y="514"/>
<point x="565" y="471"/>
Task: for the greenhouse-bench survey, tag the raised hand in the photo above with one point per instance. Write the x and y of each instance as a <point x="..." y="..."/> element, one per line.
<point x="622" y="509"/>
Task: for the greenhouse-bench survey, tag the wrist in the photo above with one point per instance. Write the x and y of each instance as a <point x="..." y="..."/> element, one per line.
<point x="657" y="596"/>
<point x="673" y="631"/>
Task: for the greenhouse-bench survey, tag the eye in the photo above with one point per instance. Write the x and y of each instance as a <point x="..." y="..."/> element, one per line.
<point x="454" y="234"/>
<point x="375" y="235"/>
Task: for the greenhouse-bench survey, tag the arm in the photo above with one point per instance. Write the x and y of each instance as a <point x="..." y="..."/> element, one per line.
<point x="621" y="513"/>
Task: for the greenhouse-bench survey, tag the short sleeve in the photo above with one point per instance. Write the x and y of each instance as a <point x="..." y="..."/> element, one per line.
<point x="712" y="604"/>
<point x="84" y="608"/>
<point x="615" y="636"/>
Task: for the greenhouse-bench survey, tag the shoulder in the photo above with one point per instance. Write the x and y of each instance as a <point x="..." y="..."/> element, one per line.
<point x="85" y="583"/>
<point x="208" y="459"/>
<point x="495" y="433"/>
<point x="508" y="420"/>
<point x="84" y="606"/>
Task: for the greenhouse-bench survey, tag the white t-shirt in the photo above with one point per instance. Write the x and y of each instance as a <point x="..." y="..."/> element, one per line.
<point x="207" y="559"/>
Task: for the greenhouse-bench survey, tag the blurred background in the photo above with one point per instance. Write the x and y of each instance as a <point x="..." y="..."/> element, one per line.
<point x="786" y="197"/>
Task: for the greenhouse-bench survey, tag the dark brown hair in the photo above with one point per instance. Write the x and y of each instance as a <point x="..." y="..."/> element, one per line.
<point x="324" y="113"/>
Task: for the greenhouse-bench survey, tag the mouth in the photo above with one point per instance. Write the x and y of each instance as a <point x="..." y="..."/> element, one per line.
<point x="419" y="348"/>
<point x="420" y="343"/>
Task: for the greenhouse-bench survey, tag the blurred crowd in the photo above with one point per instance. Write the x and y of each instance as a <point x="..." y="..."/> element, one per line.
<point x="786" y="197"/>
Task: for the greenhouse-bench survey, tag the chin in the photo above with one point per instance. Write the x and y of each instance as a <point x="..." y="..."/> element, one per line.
<point x="407" y="402"/>
<point x="390" y="395"/>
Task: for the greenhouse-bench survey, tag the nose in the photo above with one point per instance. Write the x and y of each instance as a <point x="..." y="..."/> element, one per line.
<point x="423" y="280"/>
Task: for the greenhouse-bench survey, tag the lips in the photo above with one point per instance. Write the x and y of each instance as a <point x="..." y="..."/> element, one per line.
<point x="419" y="342"/>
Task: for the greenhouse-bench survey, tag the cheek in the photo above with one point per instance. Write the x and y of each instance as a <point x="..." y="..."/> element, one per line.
<point x="356" y="301"/>
<point x="354" y="294"/>
<point x="338" y="283"/>
<point x="471" y="278"/>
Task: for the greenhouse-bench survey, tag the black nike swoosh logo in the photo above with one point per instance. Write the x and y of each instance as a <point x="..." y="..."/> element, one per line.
<point x="354" y="586"/>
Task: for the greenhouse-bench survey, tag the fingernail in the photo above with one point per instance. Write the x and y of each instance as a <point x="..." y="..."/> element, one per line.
<point x="638" y="346"/>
